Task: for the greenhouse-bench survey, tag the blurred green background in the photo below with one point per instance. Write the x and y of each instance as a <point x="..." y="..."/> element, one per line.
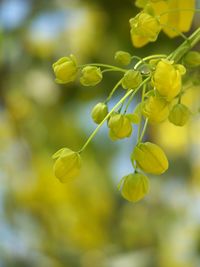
<point x="85" y="223"/>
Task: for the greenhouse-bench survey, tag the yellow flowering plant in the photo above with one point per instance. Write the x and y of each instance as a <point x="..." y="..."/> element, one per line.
<point x="157" y="79"/>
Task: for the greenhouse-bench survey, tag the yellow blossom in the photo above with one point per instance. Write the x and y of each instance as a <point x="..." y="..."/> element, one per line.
<point x="67" y="164"/>
<point x="123" y="58"/>
<point x="65" y="69"/>
<point x="156" y="109"/>
<point x="179" y="115"/>
<point x="91" y="76"/>
<point x="132" y="79"/>
<point x="150" y="158"/>
<point x="99" y="112"/>
<point x="134" y="186"/>
<point x="167" y="79"/>
<point x="120" y="126"/>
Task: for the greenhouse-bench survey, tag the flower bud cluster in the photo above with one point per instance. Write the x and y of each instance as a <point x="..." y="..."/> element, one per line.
<point x="150" y="158"/>
<point x="165" y="83"/>
<point x="66" y="70"/>
<point x="161" y="92"/>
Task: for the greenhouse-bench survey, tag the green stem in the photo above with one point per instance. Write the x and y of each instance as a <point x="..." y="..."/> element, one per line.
<point x="110" y="70"/>
<point x="143" y="131"/>
<point x="113" y="90"/>
<point x="129" y="101"/>
<point x="105" y="66"/>
<point x="136" y="57"/>
<point x="140" y="122"/>
<point x="120" y="108"/>
<point x="148" y="58"/>
<point x="107" y="116"/>
<point x="134" y="93"/>
<point x="176" y="31"/>
<point x="185" y="46"/>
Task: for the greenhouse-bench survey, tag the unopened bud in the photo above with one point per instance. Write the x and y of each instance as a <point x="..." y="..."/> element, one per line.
<point x="179" y="115"/>
<point x="99" y="112"/>
<point x="67" y="164"/>
<point x="120" y="126"/>
<point x="192" y="59"/>
<point x="65" y="69"/>
<point x="150" y="158"/>
<point x="91" y="76"/>
<point x="156" y="109"/>
<point x="132" y="79"/>
<point x="135" y="187"/>
<point x="123" y="58"/>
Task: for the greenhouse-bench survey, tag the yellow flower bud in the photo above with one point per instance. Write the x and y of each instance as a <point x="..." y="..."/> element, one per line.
<point x="138" y="111"/>
<point x="120" y="126"/>
<point x="132" y="79"/>
<point x="123" y="57"/>
<point x="91" y="76"/>
<point x="67" y="164"/>
<point x="99" y="112"/>
<point x="150" y="158"/>
<point x="135" y="187"/>
<point x="167" y="79"/>
<point x="156" y="109"/>
<point x="192" y="59"/>
<point x="179" y="115"/>
<point x="144" y="28"/>
<point x="65" y="69"/>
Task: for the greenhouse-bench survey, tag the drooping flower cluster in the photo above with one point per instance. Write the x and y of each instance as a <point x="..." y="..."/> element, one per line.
<point x="158" y="79"/>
